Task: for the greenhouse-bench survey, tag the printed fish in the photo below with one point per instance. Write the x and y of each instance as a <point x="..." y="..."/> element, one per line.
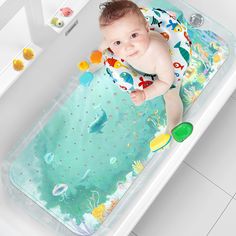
<point x="110" y="73"/>
<point x="123" y="87"/>
<point x="115" y="63"/>
<point x="156" y="12"/>
<point x="158" y="9"/>
<point x="165" y="36"/>
<point x="171" y="24"/>
<point x="97" y="125"/>
<point x="154" y="21"/>
<point x="144" y="83"/>
<point x="187" y="37"/>
<point x="184" y="53"/>
<point x="175" y="26"/>
<point x="178" y="65"/>
<point x="127" y="77"/>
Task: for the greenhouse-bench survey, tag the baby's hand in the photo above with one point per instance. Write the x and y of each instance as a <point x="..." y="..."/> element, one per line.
<point x="137" y="97"/>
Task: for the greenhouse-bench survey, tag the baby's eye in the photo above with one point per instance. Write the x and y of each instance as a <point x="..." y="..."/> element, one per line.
<point x="134" y="35"/>
<point x="117" y="43"/>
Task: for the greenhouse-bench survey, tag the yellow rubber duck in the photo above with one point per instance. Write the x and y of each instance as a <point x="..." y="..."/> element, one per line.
<point x="18" y="64"/>
<point x="28" y="53"/>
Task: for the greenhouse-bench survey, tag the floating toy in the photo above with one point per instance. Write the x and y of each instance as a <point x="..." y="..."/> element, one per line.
<point x="86" y="78"/>
<point x="96" y="57"/>
<point x="175" y="34"/>
<point x="57" y="22"/>
<point x="66" y="11"/>
<point x="18" y="64"/>
<point x="182" y="131"/>
<point x="28" y="53"/>
<point x="160" y="142"/>
<point x="83" y="65"/>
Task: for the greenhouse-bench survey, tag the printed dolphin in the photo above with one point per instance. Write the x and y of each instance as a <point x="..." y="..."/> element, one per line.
<point x="97" y="125"/>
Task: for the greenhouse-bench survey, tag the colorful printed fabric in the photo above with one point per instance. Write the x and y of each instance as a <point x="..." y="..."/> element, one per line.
<point x="174" y="33"/>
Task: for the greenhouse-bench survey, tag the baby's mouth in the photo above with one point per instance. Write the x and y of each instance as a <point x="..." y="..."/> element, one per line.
<point x="133" y="54"/>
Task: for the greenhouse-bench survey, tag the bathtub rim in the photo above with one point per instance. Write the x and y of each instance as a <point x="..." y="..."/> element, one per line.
<point x="215" y="105"/>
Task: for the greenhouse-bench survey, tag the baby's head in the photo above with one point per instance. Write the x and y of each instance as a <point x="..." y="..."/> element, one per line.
<point x="124" y="28"/>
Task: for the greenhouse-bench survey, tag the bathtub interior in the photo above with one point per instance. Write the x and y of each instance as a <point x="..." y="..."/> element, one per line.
<point x="25" y="169"/>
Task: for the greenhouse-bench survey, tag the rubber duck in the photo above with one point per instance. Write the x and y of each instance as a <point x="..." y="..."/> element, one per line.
<point x="18" y="64"/>
<point x="66" y="11"/>
<point x="28" y="53"/>
<point x="57" y="22"/>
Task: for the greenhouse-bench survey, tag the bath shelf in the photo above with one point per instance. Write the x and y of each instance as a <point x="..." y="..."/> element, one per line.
<point x="75" y="5"/>
<point x="8" y="75"/>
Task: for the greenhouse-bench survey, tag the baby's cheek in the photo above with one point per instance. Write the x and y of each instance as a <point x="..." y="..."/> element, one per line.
<point x="118" y="52"/>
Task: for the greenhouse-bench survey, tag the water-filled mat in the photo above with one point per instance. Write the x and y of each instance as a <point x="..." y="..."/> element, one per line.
<point x="83" y="160"/>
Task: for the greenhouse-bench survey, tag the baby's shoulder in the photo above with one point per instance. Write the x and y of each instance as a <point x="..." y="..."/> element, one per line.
<point x="159" y="48"/>
<point x="158" y="42"/>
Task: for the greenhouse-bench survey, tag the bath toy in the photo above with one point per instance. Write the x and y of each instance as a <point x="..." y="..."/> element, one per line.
<point x="28" y="53"/>
<point x="97" y="125"/>
<point x="18" y="64"/>
<point x="160" y="142"/>
<point x="86" y="78"/>
<point x="182" y="131"/>
<point x="57" y="22"/>
<point x="83" y="65"/>
<point x="96" y="57"/>
<point x="66" y="11"/>
<point x="175" y="35"/>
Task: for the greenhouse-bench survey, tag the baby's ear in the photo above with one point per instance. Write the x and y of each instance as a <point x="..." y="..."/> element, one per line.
<point x="147" y="26"/>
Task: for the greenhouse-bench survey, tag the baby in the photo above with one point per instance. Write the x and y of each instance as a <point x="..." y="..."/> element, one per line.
<point x="127" y="34"/>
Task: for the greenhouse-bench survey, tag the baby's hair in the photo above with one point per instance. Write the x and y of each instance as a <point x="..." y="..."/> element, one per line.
<point x="116" y="9"/>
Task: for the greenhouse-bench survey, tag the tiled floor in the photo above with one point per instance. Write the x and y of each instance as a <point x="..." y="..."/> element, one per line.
<point x="198" y="200"/>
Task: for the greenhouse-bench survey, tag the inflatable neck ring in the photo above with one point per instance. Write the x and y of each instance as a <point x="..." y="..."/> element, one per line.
<point x="129" y="79"/>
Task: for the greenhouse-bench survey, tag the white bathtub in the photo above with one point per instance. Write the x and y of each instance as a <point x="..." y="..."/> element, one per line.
<point x="46" y="78"/>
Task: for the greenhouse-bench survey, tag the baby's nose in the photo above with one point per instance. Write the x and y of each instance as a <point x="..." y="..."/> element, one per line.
<point x="129" y="46"/>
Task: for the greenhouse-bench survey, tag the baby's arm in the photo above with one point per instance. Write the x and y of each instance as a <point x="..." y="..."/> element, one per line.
<point x="165" y="72"/>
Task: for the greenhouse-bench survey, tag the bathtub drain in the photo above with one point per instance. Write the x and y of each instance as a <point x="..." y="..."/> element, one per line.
<point x="196" y="20"/>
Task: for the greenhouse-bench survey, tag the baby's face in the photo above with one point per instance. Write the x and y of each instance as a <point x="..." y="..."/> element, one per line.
<point x="128" y="37"/>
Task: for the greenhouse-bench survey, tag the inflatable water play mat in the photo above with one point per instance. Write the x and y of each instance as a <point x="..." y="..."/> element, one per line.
<point x="81" y="162"/>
